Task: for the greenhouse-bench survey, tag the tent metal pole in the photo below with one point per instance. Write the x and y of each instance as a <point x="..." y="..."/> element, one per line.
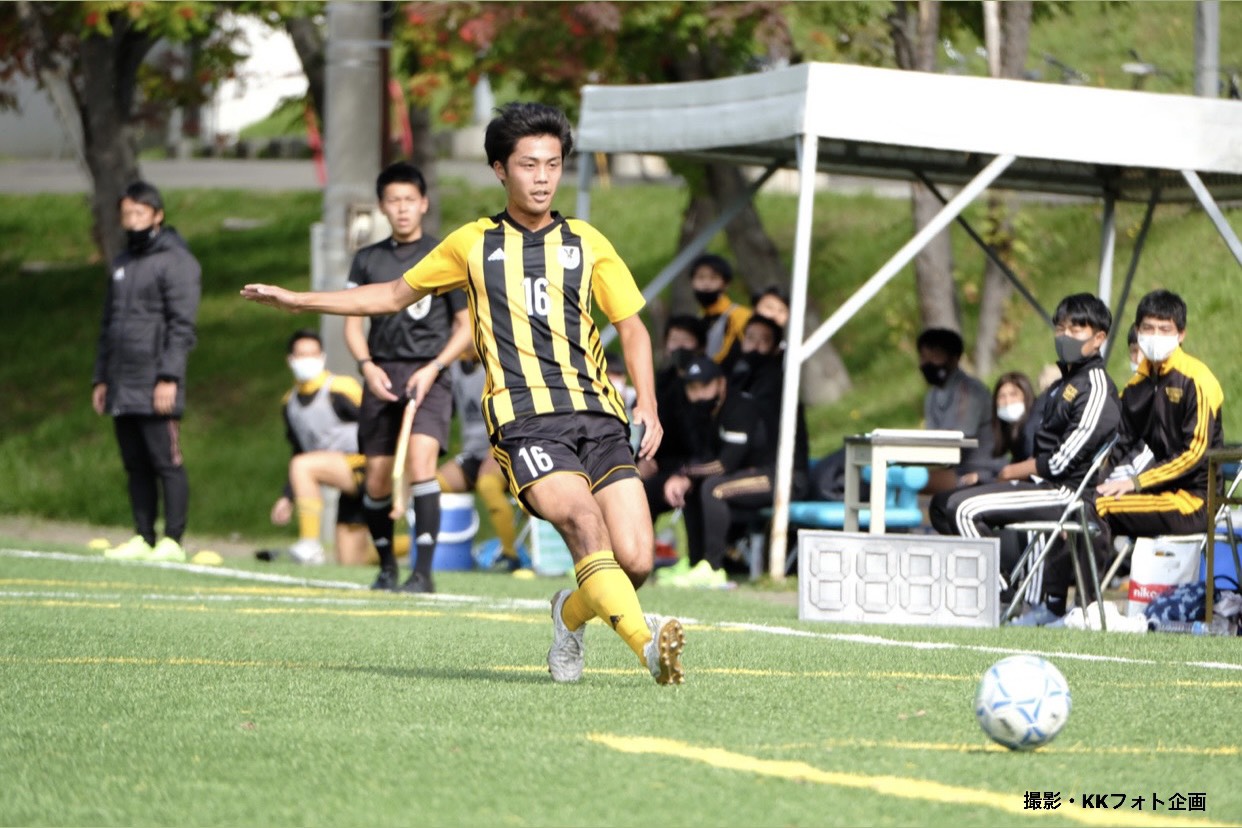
<point x="906" y="254"/>
<point x="990" y="252"/>
<point x="586" y="169"/>
<point x="1108" y="247"/>
<point x="696" y="245"/>
<point x="1135" y="255"/>
<point x="1218" y="218"/>
<point x="808" y="158"/>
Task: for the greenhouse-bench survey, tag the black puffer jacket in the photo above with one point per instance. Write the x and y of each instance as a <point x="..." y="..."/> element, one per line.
<point x="148" y="324"/>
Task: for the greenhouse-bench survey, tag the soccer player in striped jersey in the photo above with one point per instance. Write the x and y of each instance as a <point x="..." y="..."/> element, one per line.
<point x="558" y="427"/>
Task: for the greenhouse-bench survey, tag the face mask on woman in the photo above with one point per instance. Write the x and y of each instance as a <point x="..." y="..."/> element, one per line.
<point x="1011" y="412"/>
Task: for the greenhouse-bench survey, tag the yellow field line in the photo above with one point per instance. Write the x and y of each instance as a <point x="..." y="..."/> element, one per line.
<point x="892" y="786"/>
<point x="131" y="661"/>
<point x="192" y="590"/>
<point x="877" y="674"/>
<point x="972" y="747"/>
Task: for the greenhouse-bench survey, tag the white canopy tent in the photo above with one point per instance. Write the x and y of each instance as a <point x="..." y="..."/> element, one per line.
<point x="970" y="132"/>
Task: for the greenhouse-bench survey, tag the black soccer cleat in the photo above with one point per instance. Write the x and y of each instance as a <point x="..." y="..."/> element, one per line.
<point x="418" y="583"/>
<point x="386" y="580"/>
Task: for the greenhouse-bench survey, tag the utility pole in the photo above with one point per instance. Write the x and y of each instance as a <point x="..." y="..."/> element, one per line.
<point x="1207" y="48"/>
<point x="351" y="152"/>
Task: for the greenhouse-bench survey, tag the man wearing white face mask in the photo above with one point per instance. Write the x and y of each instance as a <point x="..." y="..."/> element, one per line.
<point x="1171" y="416"/>
<point x="321" y="424"/>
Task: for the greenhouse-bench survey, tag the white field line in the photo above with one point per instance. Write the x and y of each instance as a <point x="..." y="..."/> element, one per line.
<point x="517" y="603"/>
<point x="262" y="577"/>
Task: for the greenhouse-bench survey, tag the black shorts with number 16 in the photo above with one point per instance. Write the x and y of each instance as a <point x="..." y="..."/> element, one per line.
<point x="595" y="446"/>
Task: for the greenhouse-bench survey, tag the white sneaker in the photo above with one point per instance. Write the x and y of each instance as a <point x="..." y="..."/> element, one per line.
<point x="307" y="551"/>
<point x="134" y="549"/>
<point x="167" y="550"/>
<point x="663" y="652"/>
<point x="565" y="658"/>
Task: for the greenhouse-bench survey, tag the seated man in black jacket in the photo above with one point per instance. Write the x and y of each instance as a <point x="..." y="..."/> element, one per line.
<point x="732" y="469"/>
<point x="1082" y="414"/>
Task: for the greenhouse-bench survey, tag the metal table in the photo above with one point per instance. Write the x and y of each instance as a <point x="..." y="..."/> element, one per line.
<point x="916" y="447"/>
<point x="1216" y="499"/>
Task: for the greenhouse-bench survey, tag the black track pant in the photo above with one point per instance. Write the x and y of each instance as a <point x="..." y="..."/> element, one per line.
<point x="983" y="510"/>
<point x="151" y="451"/>
<point x="712" y="504"/>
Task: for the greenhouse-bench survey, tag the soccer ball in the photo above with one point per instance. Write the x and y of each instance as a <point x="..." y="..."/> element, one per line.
<point x="1022" y="702"/>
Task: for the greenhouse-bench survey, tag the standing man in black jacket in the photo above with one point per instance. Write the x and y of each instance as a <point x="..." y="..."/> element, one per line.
<point x="144" y="340"/>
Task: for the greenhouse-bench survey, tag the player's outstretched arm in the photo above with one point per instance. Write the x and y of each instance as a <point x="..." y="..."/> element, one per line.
<point x="636" y="348"/>
<point x="364" y="300"/>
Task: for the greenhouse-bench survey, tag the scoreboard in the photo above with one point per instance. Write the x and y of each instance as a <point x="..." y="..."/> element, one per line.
<point x="929" y="580"/>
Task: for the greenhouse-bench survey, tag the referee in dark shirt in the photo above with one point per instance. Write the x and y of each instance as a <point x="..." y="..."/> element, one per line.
<point x="424" y="338"/>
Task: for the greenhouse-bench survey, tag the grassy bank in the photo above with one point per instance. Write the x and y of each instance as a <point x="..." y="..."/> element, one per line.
<point x="58" y="460"/>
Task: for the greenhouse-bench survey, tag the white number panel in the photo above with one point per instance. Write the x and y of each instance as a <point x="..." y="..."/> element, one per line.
<point x="929" y="580"/>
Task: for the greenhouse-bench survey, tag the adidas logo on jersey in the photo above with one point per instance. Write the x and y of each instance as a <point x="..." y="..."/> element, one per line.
<point x="498" y="255"/>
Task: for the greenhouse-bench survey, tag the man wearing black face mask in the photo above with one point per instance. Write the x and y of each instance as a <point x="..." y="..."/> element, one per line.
<point x="955" y="401"/>
<point x="145" y="338"/>
<point x="710" y="276"/>
<point x="732" y="472"/>
<point x="683" y="341"/>
<point x="1082" y="413"/>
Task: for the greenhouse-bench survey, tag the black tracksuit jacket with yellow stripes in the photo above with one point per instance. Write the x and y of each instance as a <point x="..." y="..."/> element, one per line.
<point x="1175" y="413"/>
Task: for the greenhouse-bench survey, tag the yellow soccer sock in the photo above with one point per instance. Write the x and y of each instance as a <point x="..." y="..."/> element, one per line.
<point x="607" y="591"/>
<point x="575" y="612"/>
<point x="495" y="494"/>
<point x="310" y="513"/>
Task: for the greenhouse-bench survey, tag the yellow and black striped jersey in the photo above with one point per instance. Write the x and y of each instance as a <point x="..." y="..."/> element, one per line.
<point x="530" y="296"/>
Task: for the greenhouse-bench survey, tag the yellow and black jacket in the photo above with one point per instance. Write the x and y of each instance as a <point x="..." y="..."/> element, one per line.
<point x="1169" y="419"/>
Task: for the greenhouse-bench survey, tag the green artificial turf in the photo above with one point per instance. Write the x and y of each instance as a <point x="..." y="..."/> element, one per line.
<point x="144" y="695"/>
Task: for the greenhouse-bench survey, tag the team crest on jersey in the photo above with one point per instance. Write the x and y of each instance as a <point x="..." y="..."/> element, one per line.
<point x="570" y="257"/>
<point x="420" y="308"/>
<point x="1174" y="395"/>
<point x="1069" y="393"/>
<point x="118" y="274"/>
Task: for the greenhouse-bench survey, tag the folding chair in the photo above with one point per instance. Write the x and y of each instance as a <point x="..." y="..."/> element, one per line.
<point x="1073" y="524"/>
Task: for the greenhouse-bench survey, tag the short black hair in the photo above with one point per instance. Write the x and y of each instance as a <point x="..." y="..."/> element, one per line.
<point x="1084" y="309"/>
<point x="773" y="290"/>
<point x="717" y="263"/>
<point x="1162" y="304"/>
<point x="941" y="339"/>
<point x="1132" y="336"/>
<point x="143" y="193"/>
<point x="518" y="120"/>
<point x="298" y="336"/>
<point x="400" y="172"/>
<point x="778" y="333"/>
<point x="692" y="325"/>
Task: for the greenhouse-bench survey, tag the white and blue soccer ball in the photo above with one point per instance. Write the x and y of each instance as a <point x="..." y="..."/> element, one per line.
<point x="1022" y="702"/>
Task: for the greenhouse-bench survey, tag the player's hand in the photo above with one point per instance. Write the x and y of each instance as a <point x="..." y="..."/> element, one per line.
<point x="165" y="397"/>
<point x="644" y="414"/>
<point x="420" y="382"/>
<point x="99" y="397"/>
<point x="276" y="297"/>
<point x="1115" y="488"/>
<point x="282" y="511"/>
<point x="377" y="380"/>
<point x="675" y="489"/>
